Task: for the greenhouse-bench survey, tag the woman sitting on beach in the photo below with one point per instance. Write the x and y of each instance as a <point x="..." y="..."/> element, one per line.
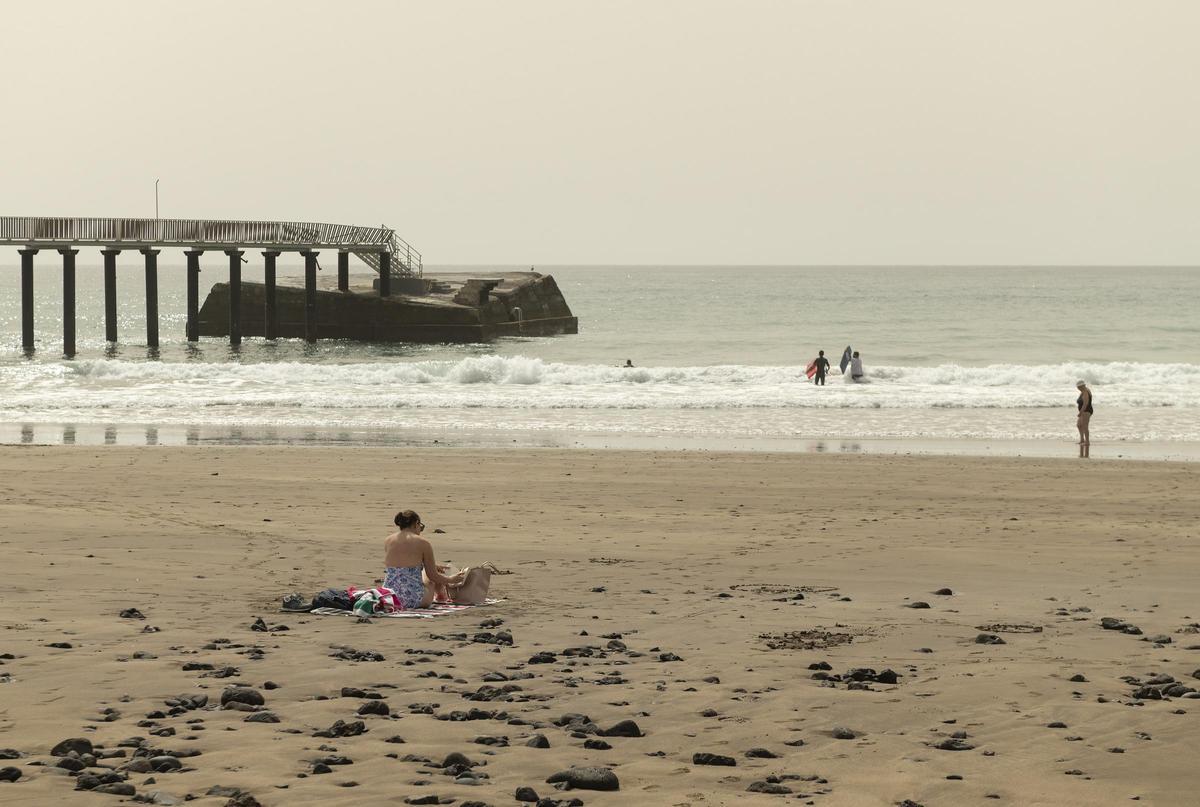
<point x="412" y="573"/>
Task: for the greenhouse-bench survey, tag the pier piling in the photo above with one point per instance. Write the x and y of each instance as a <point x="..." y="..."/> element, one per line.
<point x="235" y="296"/>
<point x="385" y="274"/>
<point x="310" y="295"/>
<point x="68" y="259"/>
<point x="193" y="294"/>
<point x="27" y="298"/>
<point x="151" y="256"/>
<point x="343" y="271"/>
<point x="110" y="293"/>
<point x="270" y="308"/>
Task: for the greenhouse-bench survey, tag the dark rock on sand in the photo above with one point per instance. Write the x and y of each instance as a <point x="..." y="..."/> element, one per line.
<point x="10" y="774"/>
<point x="70" y="764"/>
<point x="132" y="613"/>
<point x="538" y="741"/>
<point x="375" y="707"/>
<point x="989" y="638"/>
<point x="770" y="788"/>
<point x="953" y="744"/>
<point x="457" y="759"/>
<point x="261" y="717"/>
<point x="587" y="779"/>
<point x="704" y="758"/>
<point x="525" y="794"/>
<point x="165" y="764"/>
<point x="341" y="728"/>
<point x="842" y="733"/>
<point x="117" y="789"/>
<point x="246" y="695"/>
<point x="918" y="604"/>
<point x="350" y="654"/>
<point x="243" y="799"/>
<point x="80" y="745"/>
<point x="1078" y="678"/>
<point x="596" y="745"/>
<point x="761" y="753"/>
<point x="624" y="728"/>
<point x="10" y="753"/>
<point x="944" y="592"/>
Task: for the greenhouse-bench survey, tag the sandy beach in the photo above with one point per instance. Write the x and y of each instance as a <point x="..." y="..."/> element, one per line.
<point x="718" y="601"/>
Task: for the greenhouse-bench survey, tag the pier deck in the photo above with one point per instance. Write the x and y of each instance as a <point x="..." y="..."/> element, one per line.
<point x="378" y="247"/>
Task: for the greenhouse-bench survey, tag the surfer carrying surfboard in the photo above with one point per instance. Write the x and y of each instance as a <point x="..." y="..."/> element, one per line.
<point x="818" y="367"/>
<point x="856" y="370"/>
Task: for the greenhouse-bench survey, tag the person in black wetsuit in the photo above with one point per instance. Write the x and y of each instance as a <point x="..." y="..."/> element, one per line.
<point x="1084" y="404"/>
<point x="822" y="366"/>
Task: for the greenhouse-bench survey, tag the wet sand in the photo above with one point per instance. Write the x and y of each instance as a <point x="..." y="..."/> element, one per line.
<point x="696" y="594"/>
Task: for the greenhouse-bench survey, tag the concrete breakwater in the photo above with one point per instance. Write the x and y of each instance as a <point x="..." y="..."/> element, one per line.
<point x="476" y="307"/>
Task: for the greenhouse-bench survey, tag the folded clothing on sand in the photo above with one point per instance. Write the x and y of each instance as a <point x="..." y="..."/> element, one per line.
<point x="334" y="598"/>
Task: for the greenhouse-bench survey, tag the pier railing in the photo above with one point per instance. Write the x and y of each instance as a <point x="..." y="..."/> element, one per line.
<point x="204" y="233"/>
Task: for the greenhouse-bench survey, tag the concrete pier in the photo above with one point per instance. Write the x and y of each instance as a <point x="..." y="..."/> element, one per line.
<point x="446" y="308"/>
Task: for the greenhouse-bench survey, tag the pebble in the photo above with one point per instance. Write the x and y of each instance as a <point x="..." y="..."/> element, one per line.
<point x="944" y="592"/>
<point x="761" y="753"/>
<point x="10" y="774"/>
<point x="538" y="741"/>
<point x="525" y="794"/>
<point x="842" y="733"/>
<point x="704" y="758"/>
<point x="770" y="788"/>
<point x="989" y="638"/>
<point x="132" y="613"/>
<point x="918" y="604"/>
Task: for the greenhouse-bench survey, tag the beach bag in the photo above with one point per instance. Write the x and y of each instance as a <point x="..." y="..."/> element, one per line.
<point x="334" y="598"/>
<point x="474" y="588"/>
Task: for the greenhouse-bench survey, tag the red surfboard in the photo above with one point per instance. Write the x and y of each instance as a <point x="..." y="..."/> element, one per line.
<point x="812" y="369"/>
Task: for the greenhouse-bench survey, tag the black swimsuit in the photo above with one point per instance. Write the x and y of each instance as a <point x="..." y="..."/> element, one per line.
<point x="1079" y="403"/>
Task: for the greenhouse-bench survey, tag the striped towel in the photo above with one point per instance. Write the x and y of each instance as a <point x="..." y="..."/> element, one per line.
<point x="436" y="609"/>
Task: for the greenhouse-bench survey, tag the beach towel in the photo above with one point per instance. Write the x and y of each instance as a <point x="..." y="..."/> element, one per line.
<point x="434" y="610"/>
<point x="374" y="601"/>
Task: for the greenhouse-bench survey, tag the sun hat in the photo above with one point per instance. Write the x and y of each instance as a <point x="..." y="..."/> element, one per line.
<point x="1081" y="383"/>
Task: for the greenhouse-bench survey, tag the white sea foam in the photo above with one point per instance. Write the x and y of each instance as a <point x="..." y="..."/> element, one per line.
<point x="530" y="383"/>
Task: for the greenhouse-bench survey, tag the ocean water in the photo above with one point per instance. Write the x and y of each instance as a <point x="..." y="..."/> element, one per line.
<point x="967" y="353"/>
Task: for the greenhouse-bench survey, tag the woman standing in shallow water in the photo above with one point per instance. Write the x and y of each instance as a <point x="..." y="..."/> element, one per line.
<point x="1084" y="404"/>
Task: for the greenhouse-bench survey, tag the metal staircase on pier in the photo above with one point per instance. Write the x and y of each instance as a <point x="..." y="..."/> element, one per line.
<point x="406" y="261"/>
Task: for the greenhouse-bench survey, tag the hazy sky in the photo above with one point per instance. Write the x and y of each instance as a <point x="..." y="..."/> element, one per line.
<point x="692" y="132"/>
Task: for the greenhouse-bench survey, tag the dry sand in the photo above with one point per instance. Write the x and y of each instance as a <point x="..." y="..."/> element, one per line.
<point x="693" y="554"/>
